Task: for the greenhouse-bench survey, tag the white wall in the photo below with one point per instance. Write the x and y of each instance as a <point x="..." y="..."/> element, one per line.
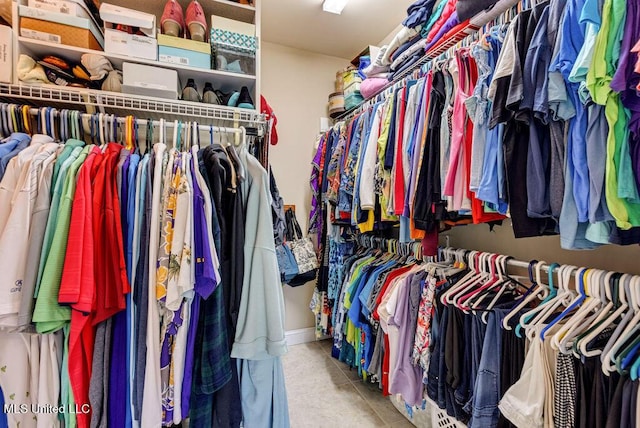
<point x="297" y="84"/>
<point x="390" y="36"/>
<point x="547" y="248"/>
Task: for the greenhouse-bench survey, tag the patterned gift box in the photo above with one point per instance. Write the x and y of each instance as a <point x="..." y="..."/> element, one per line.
<point x="234" y="41"/>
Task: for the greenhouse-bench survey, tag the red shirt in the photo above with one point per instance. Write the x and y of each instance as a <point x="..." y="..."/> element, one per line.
<point x="77" y="286"/>
<point x="111" y="277"/>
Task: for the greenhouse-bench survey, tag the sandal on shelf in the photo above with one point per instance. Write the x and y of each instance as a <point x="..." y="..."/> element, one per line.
<point x="172" y="21"/>
<point x="196" y="23"/>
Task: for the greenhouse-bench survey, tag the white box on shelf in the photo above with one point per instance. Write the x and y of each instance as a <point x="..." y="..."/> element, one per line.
<point x="122" y="43"/>
<point x="150" y="81"/>
<point x="67" y="7"/>
<point x="6" y="54"/>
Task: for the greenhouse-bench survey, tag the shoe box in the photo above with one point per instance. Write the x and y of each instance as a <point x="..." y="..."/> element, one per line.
<point x="233" y="45"/>
<point x="150" y="81"/>
<point x="72" y="27"/>
<point x="6" y="54"/>
<point x="141" y="44"/>
<point x="177" y="50"/>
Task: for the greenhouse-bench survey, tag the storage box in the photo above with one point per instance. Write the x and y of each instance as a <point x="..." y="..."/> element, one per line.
<point x="6" y="54"/>
<point x="235" y="35"/>
<point x="150" y="81"/>
<point x="63" y="19"/>
<point x="58" y="33"/>
<point x="66" y="7"/>
<point x="176" y="50"/>
<point x="370" y="51"/>
<point x="122" y="43"/>
<point x="233" y="61"/>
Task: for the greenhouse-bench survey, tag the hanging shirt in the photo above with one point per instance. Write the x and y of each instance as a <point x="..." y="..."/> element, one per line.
<point x="260" y="330"/>
<point x="48" y="315"/>
<point x="14" y="239"/>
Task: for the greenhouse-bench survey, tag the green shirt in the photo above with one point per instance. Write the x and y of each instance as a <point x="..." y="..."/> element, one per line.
<point x="620" y="189"/>
<point x="57" y="186"/>
<point x="48" y="315"/>
<point x="69" y="146"/>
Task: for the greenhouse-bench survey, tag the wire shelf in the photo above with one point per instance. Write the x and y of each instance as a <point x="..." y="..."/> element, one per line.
<point x="112" y="102"/>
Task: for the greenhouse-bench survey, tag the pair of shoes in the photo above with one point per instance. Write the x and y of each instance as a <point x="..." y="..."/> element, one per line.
<point x="237" y="99"/>
<point x="190" y="92"/>
<point x="173" y="20"/>
<point x="240" y="99"/>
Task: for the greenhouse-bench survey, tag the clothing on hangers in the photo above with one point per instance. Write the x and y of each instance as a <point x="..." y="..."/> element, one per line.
<point x="118" y="258"/>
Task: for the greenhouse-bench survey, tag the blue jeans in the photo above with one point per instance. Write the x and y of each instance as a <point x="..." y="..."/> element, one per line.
<point x="485" y="413"/>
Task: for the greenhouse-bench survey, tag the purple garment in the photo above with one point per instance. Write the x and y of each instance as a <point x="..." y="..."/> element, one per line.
<point x="314" y="215"/>
<point x="118" y="374"/>
<point x="119" y="356"/>
<point x="448" y="25"/>
<point x="204" y="287"/>
<point x="626" y="80"/>
<point x="408" y="378"/>
<point x="205" y="271"/>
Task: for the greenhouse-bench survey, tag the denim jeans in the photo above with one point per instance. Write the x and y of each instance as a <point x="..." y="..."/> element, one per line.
<point x="485" y="413"/>
<point x="478" y="330"/>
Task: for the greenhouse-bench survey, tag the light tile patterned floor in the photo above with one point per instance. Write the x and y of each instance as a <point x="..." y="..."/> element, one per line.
<point x="323" y="392"/>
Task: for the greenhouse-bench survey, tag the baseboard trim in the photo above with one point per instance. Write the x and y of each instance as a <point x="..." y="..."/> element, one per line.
<point x="301" y="335"/>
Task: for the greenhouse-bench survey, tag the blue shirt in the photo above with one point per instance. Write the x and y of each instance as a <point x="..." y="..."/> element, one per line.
<point x="10" y="149"/>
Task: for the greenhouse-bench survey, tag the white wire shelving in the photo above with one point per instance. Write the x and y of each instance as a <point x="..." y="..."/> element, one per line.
<point x="94" y="101"/>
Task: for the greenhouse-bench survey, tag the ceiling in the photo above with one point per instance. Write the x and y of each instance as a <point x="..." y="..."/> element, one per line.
<point x="302" y="24"/>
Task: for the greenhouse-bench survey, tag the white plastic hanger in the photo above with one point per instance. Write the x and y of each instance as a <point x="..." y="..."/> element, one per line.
<point x="444" y="299"/>
<point x="608" y="361"/>
<point x="481" y="274"/>
<point x="586" y="314"/>
<point x="543" y="311"/>
<point x="623" y="290"/>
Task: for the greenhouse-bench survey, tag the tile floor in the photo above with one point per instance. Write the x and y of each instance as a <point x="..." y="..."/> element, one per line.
<point x="323" y="392"/>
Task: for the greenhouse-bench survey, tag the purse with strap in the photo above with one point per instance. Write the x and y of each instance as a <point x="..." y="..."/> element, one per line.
<point x="303" y="252"/>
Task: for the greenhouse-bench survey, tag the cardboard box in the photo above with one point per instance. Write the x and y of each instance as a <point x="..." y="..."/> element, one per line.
<point x="6" y="54"/>
<point x="66" y="7"/>
<point x="370" y="51"/>
<point x="150" y="81"/>
<point x="65" y="19"/>
<point x="133" y="45"/>
<point x="175" y="50"/>
<point x="58" y="33"/>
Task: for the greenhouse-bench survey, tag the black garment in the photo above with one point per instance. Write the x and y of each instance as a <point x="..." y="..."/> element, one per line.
<point x="141" y="294"/>
<point x="615" y="415"/>
<point x="469" y="8"/>
<point x="227" y="199"/>
<point x="389" y="154"/>
<point x="511" y="363"/>
<point x="428" y="190"/>
<point x="226" y="408"/>
<point x="277" y="210"/>
<point x="507" y="110"/>
<point x="454" y="355"/>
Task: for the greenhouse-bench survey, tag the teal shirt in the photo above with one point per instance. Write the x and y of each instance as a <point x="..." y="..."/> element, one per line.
<point x="69" y="147"/>
<point x="437" y="13"/>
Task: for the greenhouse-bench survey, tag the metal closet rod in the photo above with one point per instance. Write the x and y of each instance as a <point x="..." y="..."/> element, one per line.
<point x="167" y="123"/>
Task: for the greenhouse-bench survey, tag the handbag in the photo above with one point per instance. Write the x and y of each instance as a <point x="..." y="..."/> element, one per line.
<point x="303" y="251"/>
<point x="286" y="263"/>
